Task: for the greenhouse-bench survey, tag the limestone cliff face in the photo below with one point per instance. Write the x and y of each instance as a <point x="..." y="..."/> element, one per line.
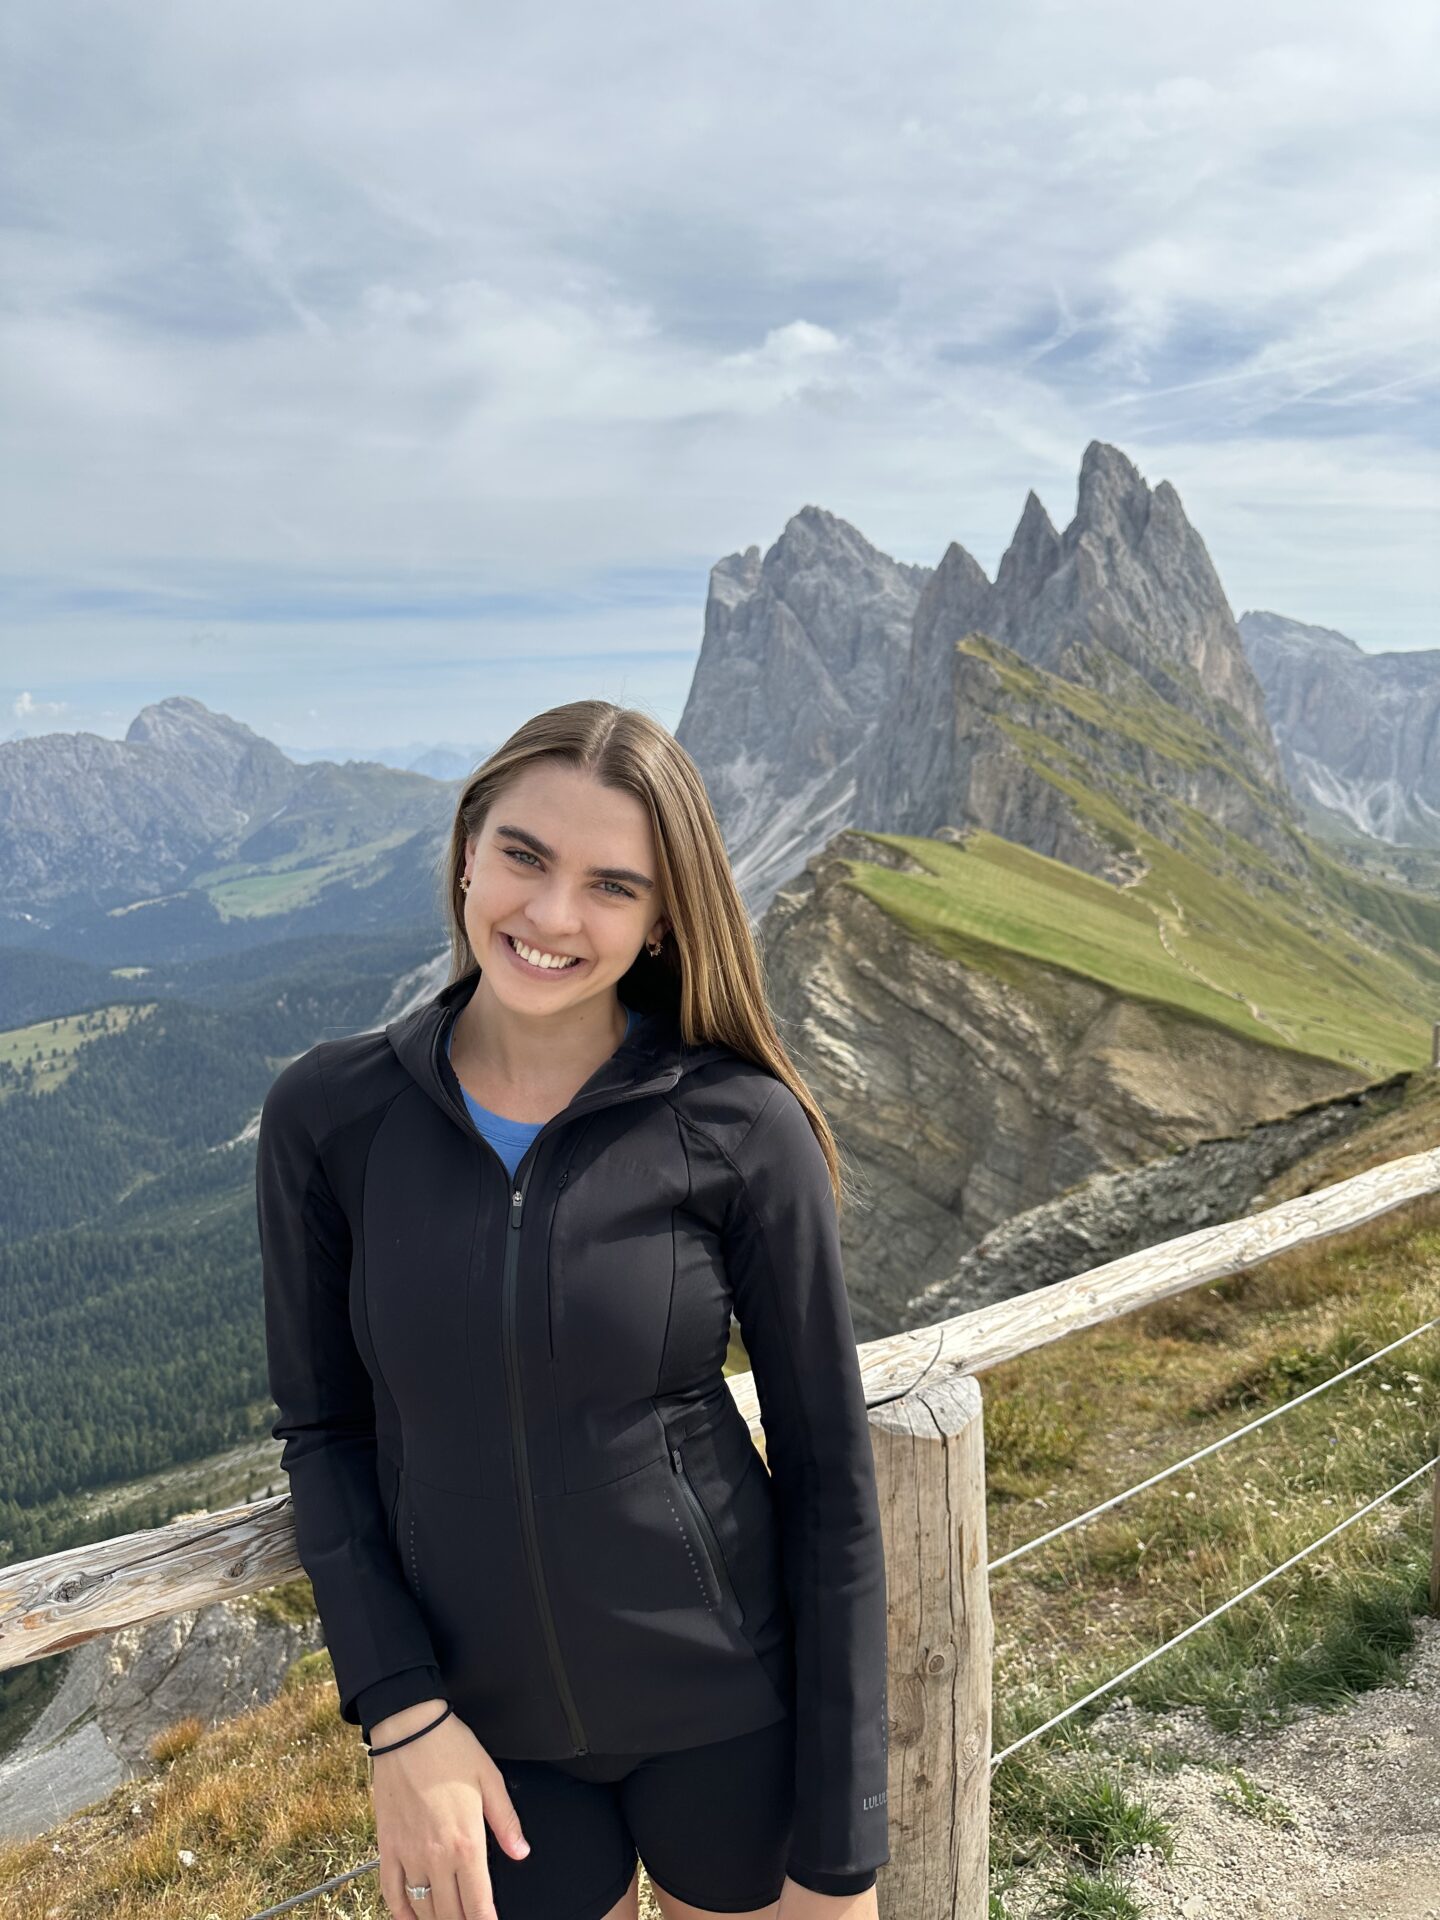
<point x="1107" y="656"/>
<point x="1130" y="574"/>
<point x="1011" y="734"/>
<point x="1113" y="1214"/>
<point x="961" y="1097"/>
<point x="801" y="654"/>
<point x="830" y="691"/>
<point x="1359" y="732"/>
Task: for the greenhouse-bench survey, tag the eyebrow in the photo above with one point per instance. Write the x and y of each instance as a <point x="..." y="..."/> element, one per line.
<point x="597" y="873"/>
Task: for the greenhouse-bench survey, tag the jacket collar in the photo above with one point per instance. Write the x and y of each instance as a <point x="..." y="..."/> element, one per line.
<point x="651" y="1058"/>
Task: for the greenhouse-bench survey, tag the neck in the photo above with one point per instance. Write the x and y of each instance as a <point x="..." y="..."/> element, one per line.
<point x="538" y="1049"/>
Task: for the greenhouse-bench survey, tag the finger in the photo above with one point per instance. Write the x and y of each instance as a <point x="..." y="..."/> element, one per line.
<point x="392" y="1886"/>
<point x="441" y="1903"/>
<point x="444" y="1901"/>
<point x="502" y="1819"/>
<point x="476" y="1895"/>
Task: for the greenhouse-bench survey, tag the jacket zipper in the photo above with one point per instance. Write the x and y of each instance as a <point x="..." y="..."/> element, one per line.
<point x="521" y="1451"/>
<point x="519" y="1445"/>
<point x="708" y="1541"/>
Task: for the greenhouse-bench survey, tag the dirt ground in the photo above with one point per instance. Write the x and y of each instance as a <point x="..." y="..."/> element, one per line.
<point x="1360" y="1790"/>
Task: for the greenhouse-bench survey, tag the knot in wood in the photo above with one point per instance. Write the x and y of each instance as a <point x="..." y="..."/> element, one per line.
<point x="940" y="1661"/>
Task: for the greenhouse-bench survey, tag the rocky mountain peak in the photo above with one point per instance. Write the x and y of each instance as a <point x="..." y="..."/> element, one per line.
<point x="1276" y="630"/>
<point x="1130" y="575"/>
<point x="1034" y="552"/>
<point x="234" y="761"/>
<point x="814" y="540"/>
<point x="1359" y="732"/>
<point x="800" y="653"/>
<point x="830" y="691"/>
<point x="183" y="722"/>
<point x="1112" y="496"/>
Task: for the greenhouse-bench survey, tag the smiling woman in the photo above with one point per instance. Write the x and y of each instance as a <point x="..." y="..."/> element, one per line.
<point x="504" y="1242"/>
<point x="564" y="901"/>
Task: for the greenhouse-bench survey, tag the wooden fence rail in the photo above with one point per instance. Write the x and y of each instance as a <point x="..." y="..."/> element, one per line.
<point x="927" y="1429"/>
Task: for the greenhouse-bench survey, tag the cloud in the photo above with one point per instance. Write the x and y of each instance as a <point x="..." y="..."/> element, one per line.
<point x="521" y="297"/>
<point x="26" y="708"/>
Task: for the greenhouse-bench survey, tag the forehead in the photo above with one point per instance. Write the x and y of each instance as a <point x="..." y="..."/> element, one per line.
<point x="577" y="814"/>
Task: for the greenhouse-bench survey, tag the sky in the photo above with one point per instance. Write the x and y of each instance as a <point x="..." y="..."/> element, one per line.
<point x="380" y="374"/>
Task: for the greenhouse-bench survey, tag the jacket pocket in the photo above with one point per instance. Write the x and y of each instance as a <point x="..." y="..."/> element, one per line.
<point x="405" y="1542"/>
<point x="701" y="1527"/>
<point x="392" y="1517"/>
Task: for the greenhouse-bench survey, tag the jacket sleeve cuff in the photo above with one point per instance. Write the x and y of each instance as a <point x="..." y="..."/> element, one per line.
<point x="836" y="1883"/>
<point x="394" y="1693"/>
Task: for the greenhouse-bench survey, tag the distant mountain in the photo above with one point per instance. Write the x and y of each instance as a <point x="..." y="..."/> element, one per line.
<point x="832" y="689"/>
<point x="1138" y="944"/>
<point x="1358" y="732"/>
<point x="440" y="760"/>
<point x="1105" y="656"/>
<point x="800" y="657"/>
<point x="195" y="835"/>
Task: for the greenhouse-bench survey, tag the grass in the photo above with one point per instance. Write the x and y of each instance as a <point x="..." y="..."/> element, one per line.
<point x="997" y="906"/>
<point x="247" y="891"/>
<point x="1247" y="1798"/>
<point x="1071" y="1424"/>
<point x="265" y="1804"/>
<point x="50" y="1049"/>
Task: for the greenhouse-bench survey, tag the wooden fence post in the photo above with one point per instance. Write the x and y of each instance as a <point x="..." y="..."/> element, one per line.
<point x="930" y="1467"/>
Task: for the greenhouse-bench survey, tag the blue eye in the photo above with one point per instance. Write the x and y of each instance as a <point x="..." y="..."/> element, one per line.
<point x="524" y="853"/>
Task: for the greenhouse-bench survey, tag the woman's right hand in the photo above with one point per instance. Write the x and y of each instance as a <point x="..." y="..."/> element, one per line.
<point x="433" y="1799"/>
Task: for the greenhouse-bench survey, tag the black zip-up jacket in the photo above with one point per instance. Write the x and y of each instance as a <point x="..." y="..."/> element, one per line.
<point x="519" y="1480"/>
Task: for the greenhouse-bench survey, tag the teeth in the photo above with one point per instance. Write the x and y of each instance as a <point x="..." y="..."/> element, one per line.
<point x="538" y="959"/>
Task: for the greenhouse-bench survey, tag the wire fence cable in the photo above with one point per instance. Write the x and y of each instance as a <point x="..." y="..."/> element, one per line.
<point x="1214" y="1614"/>
<point x="1285" y="1406"/>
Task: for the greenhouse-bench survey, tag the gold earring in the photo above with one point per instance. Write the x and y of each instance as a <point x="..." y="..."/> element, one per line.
<point x="464" y="883"/>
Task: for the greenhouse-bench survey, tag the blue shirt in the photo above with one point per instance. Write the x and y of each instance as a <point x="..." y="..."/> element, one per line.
<point x="510" y="1138"/>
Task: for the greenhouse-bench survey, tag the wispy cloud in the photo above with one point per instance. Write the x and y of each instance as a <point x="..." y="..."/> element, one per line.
<point x="450" y="308"/>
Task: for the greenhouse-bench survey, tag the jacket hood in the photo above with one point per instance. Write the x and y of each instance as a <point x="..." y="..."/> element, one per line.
<point x="652" y="1058"/>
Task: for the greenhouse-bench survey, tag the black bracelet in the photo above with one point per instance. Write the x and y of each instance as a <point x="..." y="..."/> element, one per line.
<point x="372" y="1751"/>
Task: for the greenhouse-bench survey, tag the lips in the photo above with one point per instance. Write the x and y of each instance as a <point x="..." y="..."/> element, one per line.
<point x="509" y="940"/>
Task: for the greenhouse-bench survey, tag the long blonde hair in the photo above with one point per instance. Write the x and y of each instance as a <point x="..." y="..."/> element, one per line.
<point x="709" y="973"/>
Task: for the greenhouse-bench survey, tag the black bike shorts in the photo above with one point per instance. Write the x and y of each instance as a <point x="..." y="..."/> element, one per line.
<point x="711" y="1823"/>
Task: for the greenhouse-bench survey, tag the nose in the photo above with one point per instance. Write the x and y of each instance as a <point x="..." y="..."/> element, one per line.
<point x="554" y="909"/>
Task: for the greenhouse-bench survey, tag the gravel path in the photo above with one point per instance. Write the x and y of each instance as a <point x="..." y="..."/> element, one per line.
<point x="1361" y="1788"/>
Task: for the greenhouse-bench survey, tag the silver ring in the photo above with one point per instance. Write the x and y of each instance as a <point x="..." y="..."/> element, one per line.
<point x="419" y="1893"/>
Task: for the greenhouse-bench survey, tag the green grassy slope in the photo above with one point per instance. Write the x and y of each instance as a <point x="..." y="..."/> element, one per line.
<point x="1286" y="943"/>
<point x="1258" y="965"/>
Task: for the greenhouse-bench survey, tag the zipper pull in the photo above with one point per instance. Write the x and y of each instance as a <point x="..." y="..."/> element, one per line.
<point x="517" y="1201"/>
<point x="675" y="1459"/>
